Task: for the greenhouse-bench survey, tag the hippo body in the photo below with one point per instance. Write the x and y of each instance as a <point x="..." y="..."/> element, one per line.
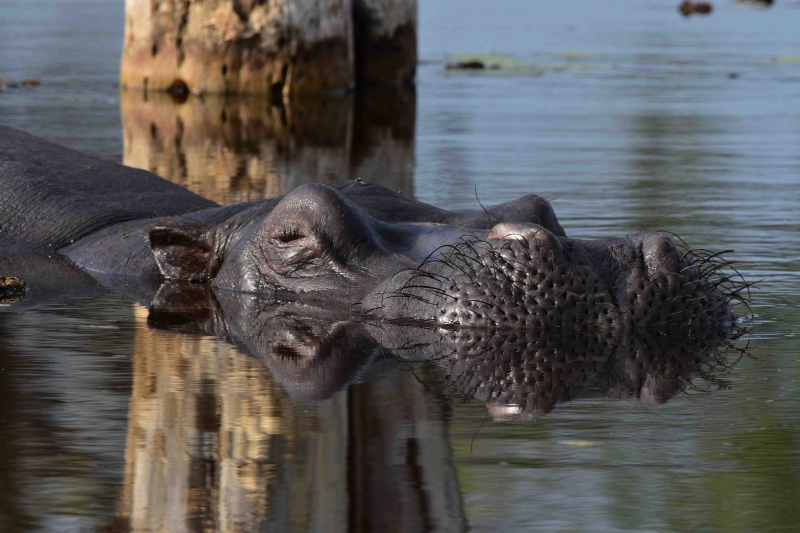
<point x="508" y="266"/>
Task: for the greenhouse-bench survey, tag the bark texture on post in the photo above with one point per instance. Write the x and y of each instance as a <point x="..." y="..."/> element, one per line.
<point x="239" y="46"/>
<point x="385" y="41"/>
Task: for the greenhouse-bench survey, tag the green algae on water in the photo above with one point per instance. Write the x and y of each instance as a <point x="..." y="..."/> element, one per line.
<point x="497" y="64"/>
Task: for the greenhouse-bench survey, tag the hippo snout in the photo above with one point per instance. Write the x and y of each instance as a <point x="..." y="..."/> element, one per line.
<point x="524" y="277"/>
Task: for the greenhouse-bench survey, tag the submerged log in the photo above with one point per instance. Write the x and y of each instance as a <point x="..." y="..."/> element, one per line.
<point x="277" y="47"/>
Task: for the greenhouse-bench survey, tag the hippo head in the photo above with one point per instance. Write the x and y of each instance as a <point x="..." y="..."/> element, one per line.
<point x="314" y="241"/>
<point x="510" y="267"/>
<point x="319" y="242"/>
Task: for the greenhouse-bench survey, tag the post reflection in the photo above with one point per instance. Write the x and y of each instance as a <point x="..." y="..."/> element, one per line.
<point x="247" y="148"/>
<point x="203" y="438"/>
<point x="217" y="442"/>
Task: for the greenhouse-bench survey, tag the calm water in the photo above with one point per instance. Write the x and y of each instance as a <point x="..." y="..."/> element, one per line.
<point x="110" y="422"/>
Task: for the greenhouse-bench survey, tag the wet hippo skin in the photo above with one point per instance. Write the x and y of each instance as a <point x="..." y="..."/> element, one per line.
<point x="510" y="266"/>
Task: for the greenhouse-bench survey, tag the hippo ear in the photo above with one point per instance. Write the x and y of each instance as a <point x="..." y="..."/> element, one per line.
<point x="184" y="253"/>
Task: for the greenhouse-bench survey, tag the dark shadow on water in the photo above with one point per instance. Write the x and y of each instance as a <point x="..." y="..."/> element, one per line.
<point x="232" y="149"/>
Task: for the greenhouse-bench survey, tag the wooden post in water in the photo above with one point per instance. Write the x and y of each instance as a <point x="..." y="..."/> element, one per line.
<point x="385" y="41"/>
<point x="280" y="48"/>
<point x="286" y="47"/>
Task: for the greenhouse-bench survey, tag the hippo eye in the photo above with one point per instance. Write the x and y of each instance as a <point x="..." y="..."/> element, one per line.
<point x="288" y="235"/>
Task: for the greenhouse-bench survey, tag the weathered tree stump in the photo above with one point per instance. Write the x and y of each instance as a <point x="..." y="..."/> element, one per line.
<point x="385" y="41"/>
<point x="267" y="47"/>
<point x="238" y="46"/>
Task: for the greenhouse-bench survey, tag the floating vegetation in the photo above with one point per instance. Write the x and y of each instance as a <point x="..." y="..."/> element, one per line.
<point x="695" y="8"/>
<point x="471" y="65"/>
<point x="787" y="60"/>
<point x="755" y="3"/>
<point x="576" y="56"/>
<point x="486" y="61"/>
<point x="27" y="82"/>
<point x="506" y="65"/>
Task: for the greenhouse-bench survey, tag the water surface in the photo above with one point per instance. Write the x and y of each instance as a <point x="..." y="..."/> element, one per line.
<point x="638" y="118"/>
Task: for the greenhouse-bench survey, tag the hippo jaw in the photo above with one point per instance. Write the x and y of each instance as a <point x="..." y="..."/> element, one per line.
<point x="524" y="277"/>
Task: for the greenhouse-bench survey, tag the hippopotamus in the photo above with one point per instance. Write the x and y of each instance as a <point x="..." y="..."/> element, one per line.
<point x="355" y="246"/>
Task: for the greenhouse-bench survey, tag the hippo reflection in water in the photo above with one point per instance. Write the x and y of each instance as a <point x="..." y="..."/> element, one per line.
<point x="520" y="375"/>
<point x="510" y="266"/>
<point x="313" y="352"/>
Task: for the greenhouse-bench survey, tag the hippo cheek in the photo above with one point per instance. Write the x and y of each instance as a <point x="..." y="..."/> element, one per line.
<point x="523" y="281"/>
<point x="260" y="264"/>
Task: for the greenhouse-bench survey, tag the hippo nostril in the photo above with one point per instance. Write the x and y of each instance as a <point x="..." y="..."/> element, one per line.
<point x="660" y="253"/>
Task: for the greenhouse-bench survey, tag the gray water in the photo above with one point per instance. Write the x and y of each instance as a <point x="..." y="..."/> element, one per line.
<point x="630" y="117"/>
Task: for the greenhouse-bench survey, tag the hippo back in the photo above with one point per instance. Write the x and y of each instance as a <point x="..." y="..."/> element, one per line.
<point x="51" y="196"/>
